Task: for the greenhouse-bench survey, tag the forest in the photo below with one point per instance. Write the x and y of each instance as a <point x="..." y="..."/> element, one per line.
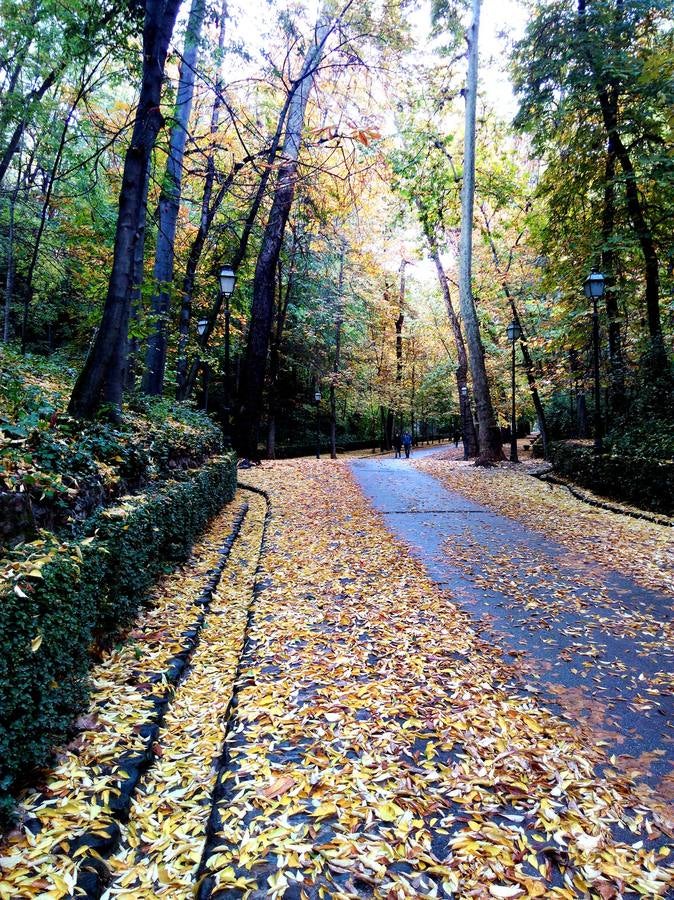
<point x="383" y="221"/>
<point x="236" y="235"/>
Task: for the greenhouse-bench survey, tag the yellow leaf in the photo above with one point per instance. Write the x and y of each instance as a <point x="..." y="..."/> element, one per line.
<point x="325" y="809"/>
<point x="36" y="643"/>
<point x="388" y="811"/>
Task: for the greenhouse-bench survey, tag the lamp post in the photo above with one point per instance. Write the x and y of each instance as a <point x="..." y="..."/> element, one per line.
<point x="514" y="333"/>
<point x="317" y="399"/>
<point x="594" y="289"/>
<point x="227" y="280"/>
<point x="202" y="325"/>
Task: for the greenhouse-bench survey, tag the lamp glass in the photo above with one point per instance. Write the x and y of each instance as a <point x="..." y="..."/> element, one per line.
<point x="514" y="331"/>
<point x="594" y="285"/>
<point x="201" y="326"/>
<point x="227" y="280"/>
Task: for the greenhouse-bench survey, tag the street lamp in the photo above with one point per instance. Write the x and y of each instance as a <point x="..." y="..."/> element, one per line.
<point x="317" y="399"/>
<point x="514" y="333"/>
<point x="594" y="289"/>
<point x="227" y="280"/>
<point x="202" y="325"/>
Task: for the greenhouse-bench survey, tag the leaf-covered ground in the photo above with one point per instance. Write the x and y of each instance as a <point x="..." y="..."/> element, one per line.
<point x="379" y="749"/>
<point x="636" y="547"/>
<point x="71" y="818"/>
<point x="374" y="744"/>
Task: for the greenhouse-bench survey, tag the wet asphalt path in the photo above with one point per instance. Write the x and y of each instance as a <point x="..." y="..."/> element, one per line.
<point x="588" y="641"/>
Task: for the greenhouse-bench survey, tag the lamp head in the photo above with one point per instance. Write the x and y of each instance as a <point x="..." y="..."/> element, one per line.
<point x="514" y="331"/>
<point x="594" y="285"/>
<point x="227" y="280"/>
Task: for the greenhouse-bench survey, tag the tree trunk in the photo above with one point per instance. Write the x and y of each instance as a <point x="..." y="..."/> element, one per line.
<point x="489" y="436"/>
<point x="608" y="264"/>
<point x="607" y="96"/>
<point x="9" y="280"/>
<point x="207" y="216"/>
<point x="470" y="447"/>
<point x="528" y="361"/>
<point x="15" y="140"/>
<point x="399" y="347"/>
<point x="136" y="299"/>
<point x="275" y="354"/>
<point x="338" y="347"/>
<point x="253" y="376"/>
<point x="28" y="289"/>
<point x="103" y="376"/>
<point x="185" y="387"/>
<point x="169" y="205"/>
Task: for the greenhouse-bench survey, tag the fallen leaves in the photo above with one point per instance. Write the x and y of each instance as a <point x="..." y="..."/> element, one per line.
<point x="413" y="768"/>
<point x="78" y="791"/>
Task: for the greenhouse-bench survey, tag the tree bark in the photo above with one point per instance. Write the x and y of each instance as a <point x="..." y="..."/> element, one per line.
<point x="255" y="363"/>
<point x="338" y="347"/>
<point x="11" y="271"/>
<point x="608" y="264"/>
<point x="399" y="346"/>
<point x="470" y="445"/>
<point x="607" y="96"/>
<point x="169" y="205"/>
<point x="489" y="436"/>
<point x="103" y="376"/>
<point x="208" y="212"/>
<point x="28" y="288"/>
<point x="528" y="361"/>
<point x="136" y="299"/>
<point x="275" y="353"/>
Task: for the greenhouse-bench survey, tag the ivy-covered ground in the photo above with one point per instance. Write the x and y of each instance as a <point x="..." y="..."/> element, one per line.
<point x="55" y="471"/>
<point x="338" y="729"/>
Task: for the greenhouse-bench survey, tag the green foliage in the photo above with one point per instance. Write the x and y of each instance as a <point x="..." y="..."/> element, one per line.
<point x="59" y="597"/>
<point x="66" y="468"/>
<point x="641" y="480"/>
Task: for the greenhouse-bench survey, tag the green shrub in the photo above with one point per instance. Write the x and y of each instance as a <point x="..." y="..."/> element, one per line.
<point x="646" y="481"/>
<point x="57" y="596"/>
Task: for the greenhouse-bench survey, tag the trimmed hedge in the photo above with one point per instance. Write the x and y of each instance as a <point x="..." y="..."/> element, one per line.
<point x="57" y="598"/>
<point x="647" y="483"/>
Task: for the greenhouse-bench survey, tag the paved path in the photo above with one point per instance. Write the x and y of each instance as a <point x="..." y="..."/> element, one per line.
<point x="572" y="628"/>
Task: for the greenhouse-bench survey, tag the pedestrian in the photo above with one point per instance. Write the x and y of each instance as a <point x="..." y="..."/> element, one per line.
<point x="407" y="444"/>
<point x="397" y="444"/>
<point x="456" y="438"/>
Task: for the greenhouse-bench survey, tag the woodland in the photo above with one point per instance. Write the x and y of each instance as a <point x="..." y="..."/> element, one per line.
<point x="234" y="232"/>
<point x="384" y="221"/>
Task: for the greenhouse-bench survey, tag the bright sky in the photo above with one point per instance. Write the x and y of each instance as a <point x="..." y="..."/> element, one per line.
<point x="501" y="21"/>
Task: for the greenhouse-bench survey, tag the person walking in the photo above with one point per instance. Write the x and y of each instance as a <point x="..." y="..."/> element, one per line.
<point x="397" y="444"/>
<point x="407" y="444"/>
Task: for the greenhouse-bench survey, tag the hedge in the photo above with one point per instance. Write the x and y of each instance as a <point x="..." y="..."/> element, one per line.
<point x="645" y="482"/>
<point x="59" y="598"/>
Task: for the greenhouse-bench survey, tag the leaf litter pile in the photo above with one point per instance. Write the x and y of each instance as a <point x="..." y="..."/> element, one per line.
<point x="70" y="822"/>
<point x="378" y="748"/>
<point x="374" y="746"/>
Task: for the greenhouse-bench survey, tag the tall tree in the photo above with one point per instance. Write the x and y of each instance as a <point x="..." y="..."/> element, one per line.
<point x="103" y="376"/>
<point x="261" y="317"/>
<point x="489" y="436"/>
<point x="169" y="204"/>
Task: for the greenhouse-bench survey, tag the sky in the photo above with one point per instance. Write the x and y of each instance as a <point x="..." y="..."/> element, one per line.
<point x="501" y="20"/>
